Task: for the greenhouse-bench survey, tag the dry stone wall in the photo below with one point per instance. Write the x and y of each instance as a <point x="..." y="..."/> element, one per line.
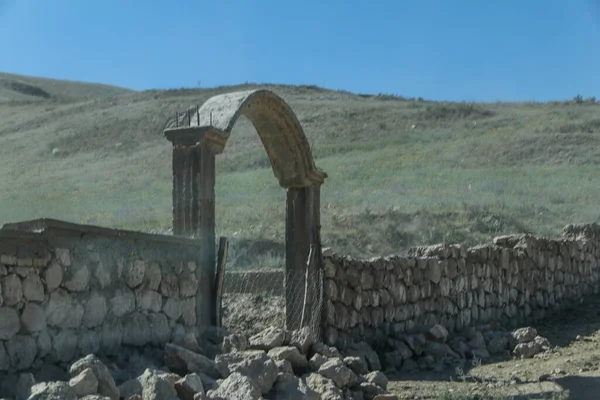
<point x="67" y="292"/>
<point x="515" y="281"/>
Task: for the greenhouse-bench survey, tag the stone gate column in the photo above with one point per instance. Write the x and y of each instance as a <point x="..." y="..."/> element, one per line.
<point x="194" y="151"/>
<point x="301" y="231"/>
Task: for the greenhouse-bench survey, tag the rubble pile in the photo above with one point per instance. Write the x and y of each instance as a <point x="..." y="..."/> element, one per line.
<point x="434" y="349"/>
<point x="215" y="364"/>
<point x="273" y="364"/>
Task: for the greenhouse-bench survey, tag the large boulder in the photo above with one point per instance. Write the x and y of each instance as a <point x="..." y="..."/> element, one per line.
<point x="268" y="339"/>
<point x="255" y="364"/>
<point x="290" y="387"/>
<point x="341" y="375"/>
<point x="327" y="351"/>
<point x="324" y="386"/>
<point x="84" y="383"/>
<point x="183" y="361"/>
<point x="158" y="385"/>
<point x="316" y="361"/>
<point x="365" y="351"/>
<point x="52" y="391"/>
<point x="234" y="342"/>
<point x="106" y="383"/>
<point x="530" y="349"/>
<point x="378" y="378"/>
<point x="371" y="390"/>
<point x="152" y="384"/>
<point x="303" y="339"/>
<point x="291" y="354"/>
<point x="189" y="386"/>
<point x="235" y="387"/>
<point x="358" y="365"/>
<point x="524" y="335"/>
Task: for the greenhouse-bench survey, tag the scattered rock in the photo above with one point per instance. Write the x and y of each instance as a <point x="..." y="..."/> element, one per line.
<point x="316" y="361"/>
<point x="324" y="386"/>
<point x="290" y="387"/>
<point x="291" y="354"/>
<point x="234" y="342"/>
<point x="106" y="383"/>
<point x="235" y="387"/>
<point x="327" y="351"/>
<point x="365" y="351"/>
<point x="158" y="385"/>
<point x="52" y="391"/>
<point x="524" y="335"/>
<point x="341" y="375"/>
<point x="370" y="390"/>
<point x="303" y="339"/>
<point x="358" y="365"/>
<point x="378" y="378"/>
<point x="284" y="366"/>
<point x="254" y="364"/>
<point x="208" y="382"/>
<point x="530" y="349"/>
<point x="189" y="386"/>
<point x="268" y="339"/>
<point x="84" y="383"/>
<point x="184" y="361"/>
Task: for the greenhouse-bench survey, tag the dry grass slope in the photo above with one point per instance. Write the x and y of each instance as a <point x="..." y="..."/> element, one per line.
<point x="17" y="88"/>
<point x="403" y="172"/>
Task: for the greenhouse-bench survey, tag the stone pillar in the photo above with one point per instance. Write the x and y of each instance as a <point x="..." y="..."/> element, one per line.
<point x="302" y="230"/>
<point x="194" y="206"/>
<point x="193" y="191"/>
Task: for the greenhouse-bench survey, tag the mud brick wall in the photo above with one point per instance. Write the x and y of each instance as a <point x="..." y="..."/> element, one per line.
<point x="514" y="281"/>
<point x="68" y="290"/>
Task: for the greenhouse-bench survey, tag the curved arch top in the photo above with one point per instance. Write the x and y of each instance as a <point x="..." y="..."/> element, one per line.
<point x="277" y="126"/>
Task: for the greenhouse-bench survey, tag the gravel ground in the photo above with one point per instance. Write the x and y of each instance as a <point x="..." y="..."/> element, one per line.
<point x="251" y="313"/>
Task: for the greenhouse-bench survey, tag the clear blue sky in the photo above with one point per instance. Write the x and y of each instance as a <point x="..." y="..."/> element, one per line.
<point x="438" y="49"/>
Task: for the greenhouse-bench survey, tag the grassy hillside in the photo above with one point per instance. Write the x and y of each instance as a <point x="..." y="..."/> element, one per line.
<point x="401" y="172"/>
<point x="17" y="88"/>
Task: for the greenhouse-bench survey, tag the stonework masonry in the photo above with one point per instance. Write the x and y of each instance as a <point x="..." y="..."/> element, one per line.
<point x="67" y="291"/>
<point x="515" y="281"/>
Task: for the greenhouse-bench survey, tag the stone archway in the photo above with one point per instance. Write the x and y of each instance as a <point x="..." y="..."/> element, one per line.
<point x="195" y="146"/>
